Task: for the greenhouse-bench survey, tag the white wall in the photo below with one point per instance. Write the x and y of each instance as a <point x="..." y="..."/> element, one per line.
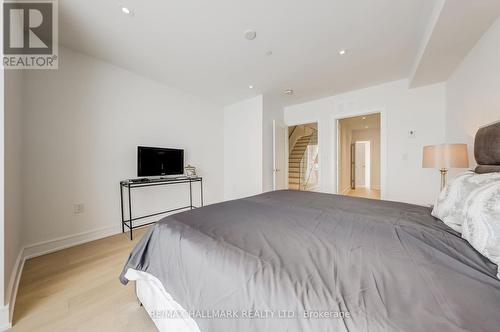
<point x="243" y="148"/>
<point x="82" y="125"/>
<point x="13" y="176"/>
<point x="473" y="91"/>
<point x="422" y="110"/>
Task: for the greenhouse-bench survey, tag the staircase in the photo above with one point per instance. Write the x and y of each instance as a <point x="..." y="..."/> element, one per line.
<point x="296" y="172"/>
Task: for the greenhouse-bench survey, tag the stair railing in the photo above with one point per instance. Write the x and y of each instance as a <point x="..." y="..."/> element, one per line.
<point x="310" y="172"/>
<point x="303" y="167"/>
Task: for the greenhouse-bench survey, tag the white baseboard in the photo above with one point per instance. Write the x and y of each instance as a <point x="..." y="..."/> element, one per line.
<point x="46" y="247"/>
<point x="4" y="318"/>
<point x="39" y="249"/>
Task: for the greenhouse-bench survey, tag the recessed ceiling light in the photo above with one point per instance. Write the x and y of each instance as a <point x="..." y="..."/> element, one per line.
<point x="250" y="34"/>
<point x="126" y="11"/>
<point x="250" y="86"/>
<point x="343" y="52"/>
<point x="289" y="92"/>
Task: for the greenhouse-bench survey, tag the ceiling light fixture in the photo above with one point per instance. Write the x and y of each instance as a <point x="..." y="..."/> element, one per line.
<point x="250" y="34"/>
<point x="343" y="52"/>
<point x="250" y="86"/>
<point x="364" y="118"/>
<point x="126" y="11"/>
<point x="289" y="92"/>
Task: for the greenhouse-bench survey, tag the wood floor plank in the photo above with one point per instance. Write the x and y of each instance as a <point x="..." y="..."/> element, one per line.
<point x="77" y="289"/>
<point x="365" y="193"/>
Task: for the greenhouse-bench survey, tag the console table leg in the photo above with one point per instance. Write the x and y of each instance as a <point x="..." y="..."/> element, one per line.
<point x="201" y="192"/>
<point x="190" y="195"/>
<point x="130" y="212"/>
<point x="121" y="206"/>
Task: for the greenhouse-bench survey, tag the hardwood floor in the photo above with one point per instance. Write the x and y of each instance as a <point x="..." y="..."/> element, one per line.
<point x="364" y="192"/>
<point x="77" y="289"/>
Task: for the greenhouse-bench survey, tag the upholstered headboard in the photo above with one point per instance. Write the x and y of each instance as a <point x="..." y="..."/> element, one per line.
<point x="487" y="149"/>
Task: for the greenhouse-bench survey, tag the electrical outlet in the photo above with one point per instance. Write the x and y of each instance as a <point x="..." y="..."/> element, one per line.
<point x="79" y="208"/>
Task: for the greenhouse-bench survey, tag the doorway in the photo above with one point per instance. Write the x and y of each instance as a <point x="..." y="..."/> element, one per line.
<point x="303" y="157"/>
<point x="359" y="156"/>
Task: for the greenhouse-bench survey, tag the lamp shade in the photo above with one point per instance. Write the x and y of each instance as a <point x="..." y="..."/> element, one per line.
<point x="444" y="156"/>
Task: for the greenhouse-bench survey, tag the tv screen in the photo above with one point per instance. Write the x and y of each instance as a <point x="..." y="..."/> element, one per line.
<point x="158" y="161"/>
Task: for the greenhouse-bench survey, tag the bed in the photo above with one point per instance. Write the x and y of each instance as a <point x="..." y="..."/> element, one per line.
<point x="301" y="261"/>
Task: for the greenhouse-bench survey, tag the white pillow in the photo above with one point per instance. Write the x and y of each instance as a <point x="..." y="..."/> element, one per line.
<point x="481" y="227"/>
<point x="450" y="204"/>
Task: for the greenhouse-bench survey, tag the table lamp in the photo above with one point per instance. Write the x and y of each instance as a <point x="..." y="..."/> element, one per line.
<point x="444" y="157"/>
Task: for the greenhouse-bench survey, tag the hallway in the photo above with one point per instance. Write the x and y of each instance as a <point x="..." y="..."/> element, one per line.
<point x="359" y="155"/>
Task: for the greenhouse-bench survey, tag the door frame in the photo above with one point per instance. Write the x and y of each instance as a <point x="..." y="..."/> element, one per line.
<point x="352" y="168"/>
<point x="276" y="125"/>
<point x="383" y="145"/>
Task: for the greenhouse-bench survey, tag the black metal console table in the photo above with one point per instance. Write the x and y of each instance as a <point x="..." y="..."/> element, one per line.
<point x="128" y="185"/>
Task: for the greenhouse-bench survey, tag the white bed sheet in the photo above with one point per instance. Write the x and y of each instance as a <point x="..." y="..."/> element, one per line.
<point x="159" y="304"/>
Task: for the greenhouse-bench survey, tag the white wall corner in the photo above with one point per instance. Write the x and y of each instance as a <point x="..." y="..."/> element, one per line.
<point x="426" y="37"/>
<point x="14" y="280"/>
<point x="39" y="249"/>
<point x="447" y="40"/>
<point x="243" y="148"/>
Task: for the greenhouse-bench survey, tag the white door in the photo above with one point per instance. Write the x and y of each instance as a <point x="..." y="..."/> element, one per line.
<point x="280" y="141"/>
<point x="360" y="164"/>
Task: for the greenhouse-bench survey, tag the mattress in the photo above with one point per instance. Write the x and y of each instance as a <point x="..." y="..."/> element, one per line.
<point x="166" y="313"/>
<point x="300" y="261"/>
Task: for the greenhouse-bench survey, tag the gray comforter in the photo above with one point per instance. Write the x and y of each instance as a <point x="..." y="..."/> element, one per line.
<point x="301" y="261"/>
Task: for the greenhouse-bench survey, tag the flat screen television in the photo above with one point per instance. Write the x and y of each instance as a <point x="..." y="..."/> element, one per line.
<point x="159" y="161"/>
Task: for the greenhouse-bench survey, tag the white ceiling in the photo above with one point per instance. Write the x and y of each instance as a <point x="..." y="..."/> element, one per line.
<point x="454" y="28"/>
<point x="198" y="45"/>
